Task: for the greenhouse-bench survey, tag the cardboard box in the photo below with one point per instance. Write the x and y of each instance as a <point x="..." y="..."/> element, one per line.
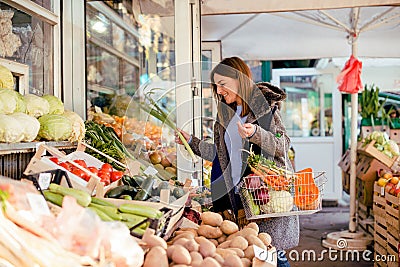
<point x="395" y="135"/>
<point x="344" y="162"/>
<point x="367" y="168"/>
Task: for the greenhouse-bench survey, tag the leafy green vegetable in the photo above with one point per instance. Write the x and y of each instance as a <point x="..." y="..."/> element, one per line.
<point x="55" y="127"/>
<point x="36" y="106"/>
<point x="56" y="105"/>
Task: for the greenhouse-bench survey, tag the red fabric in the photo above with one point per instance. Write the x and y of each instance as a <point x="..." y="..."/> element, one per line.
<point x="349" y="79"/>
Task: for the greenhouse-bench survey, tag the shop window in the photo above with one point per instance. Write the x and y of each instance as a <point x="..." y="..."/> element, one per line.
<point x="48" y="4"/>
<point x="28" y="40"/>
<point x="307" y="111"/>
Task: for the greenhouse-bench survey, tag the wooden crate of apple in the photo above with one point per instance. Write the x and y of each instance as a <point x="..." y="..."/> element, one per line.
<point x="106" y="173"/>
<point x="390" y="182"/>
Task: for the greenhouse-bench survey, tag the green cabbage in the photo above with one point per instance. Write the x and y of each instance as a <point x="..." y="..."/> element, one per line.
<point x="11" y="131"/>
<point x="55" y="127"/>
<point x="36" y="106"/>
<point x="6" y="78"/>
<point x="30" y="125"/>
<point x="78" y="126"/>
<point x="8" y="101"/>
<point x="56" y="105"/>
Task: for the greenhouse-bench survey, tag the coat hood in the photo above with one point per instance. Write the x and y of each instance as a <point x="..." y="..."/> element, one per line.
<point x="271" y="92"/>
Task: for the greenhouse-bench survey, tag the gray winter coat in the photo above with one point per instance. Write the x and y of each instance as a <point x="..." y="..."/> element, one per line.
<point x="274" y="143"/>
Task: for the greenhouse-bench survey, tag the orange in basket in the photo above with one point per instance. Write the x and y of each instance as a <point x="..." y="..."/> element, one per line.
<point x="306" y="191"/>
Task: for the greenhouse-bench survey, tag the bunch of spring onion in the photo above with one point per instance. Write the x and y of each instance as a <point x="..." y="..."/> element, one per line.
<point x="158" y="113"/>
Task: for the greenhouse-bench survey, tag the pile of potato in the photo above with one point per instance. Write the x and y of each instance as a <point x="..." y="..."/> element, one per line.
<point x="215" y="243"/>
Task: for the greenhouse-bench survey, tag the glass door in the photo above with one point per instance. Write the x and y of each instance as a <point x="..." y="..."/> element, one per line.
<point x="312" y="117"/>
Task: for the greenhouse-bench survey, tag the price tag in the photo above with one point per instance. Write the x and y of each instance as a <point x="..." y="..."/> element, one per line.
<point x="150" y="171"/>
<point x="38" y="204"/>
<point x="44" y="180"/>
<point x="268" y="256"/>
<point x="195" y="182"/>
<point x="382" y="191"/>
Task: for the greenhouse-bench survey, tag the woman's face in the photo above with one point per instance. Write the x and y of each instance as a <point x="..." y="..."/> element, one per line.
<point x="228" y="88"/>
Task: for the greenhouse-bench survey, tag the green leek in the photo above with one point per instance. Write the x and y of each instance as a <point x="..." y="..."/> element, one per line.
<point x="160" y="114"/>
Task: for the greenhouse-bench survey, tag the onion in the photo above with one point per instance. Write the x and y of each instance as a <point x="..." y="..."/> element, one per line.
<point x="261" y="195"/>
<point x="155" y="158"/>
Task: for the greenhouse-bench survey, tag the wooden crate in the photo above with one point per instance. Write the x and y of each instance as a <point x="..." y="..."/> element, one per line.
<point x="379" y="201"/>
<point x="370" y="150"/>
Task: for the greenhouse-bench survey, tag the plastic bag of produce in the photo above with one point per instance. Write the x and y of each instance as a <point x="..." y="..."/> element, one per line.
<point x="30" y="125"/>
<point x="36" y="106"/>
<point x="11" y="131"/>
<point x="55" y="127"/>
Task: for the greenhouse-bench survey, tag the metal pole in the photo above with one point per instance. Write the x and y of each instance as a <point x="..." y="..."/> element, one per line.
<point x="353" y="144"/>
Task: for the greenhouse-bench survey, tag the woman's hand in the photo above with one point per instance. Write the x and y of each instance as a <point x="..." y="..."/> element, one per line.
<point x="184" y="134"/>
<point x="246" y="130"/>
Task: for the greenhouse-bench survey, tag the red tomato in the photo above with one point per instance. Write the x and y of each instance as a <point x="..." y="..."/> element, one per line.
<point x="104" y="177"/>
<point x="79" y="173"/>
<point x="54" y="159"/>
<point x="65" y="166"/>
<point x="107" y="167"/>
<point x="116" y="175"/>
<point x="80" y="162"/>
<point x="93" y="170"/>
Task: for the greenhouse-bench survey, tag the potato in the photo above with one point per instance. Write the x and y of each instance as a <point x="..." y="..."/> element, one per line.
<point x="248" y="231"/>
<point x="207" y="248"/>
<point x="156" y="257"/>
<point x="196" y="256"/>
<point x="249" y="252"/>
<point x="239" y="242"/>
<point x="237" y="251"/>
<point x="209" y="231"/>
<point x="199" y="238"/>
<point x="232" y="236"/>
<point x="219" y="258"/>
<point x="229" y="227"/>
<point x="265" y="238"/>
<point x="191" y="230"/>
<point x="181" y="241"/>
<point x="197" y="263"/>
<point x="258" y="263"/>
<point x="187" y="235"/>
<point x="246" y="262"/>
<point x="211" y="218"/>
<point x="152" y="240"/>
<point x="254" y="226"/>
<point x="225" y="252"/>
<point x="214" y="241"/>
<point x="210" y="262"/>
<point x="170" y="249"/>
<point x="225" y="244"/>
<point x="181" y="255"/>
<point x="191" y="245"/>
<point x="221" y="239"/>
<point x="233" y="261"/>
<point x="254" y="240"/>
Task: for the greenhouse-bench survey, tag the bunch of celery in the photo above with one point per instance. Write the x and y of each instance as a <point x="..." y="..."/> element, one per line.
<point x="161" y="115"/>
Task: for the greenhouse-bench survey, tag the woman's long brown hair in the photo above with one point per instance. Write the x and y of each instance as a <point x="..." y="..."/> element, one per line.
<point x="236" y="68"/>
